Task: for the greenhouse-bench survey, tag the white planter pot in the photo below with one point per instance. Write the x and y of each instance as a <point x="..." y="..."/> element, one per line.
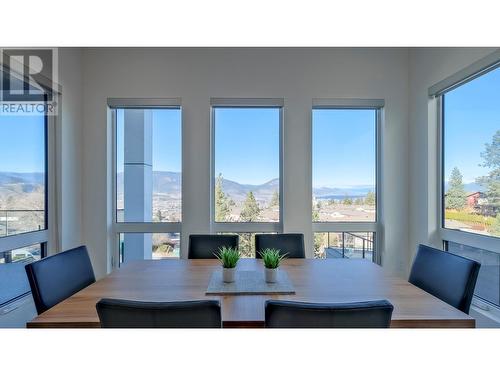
<point x="271" y="275"/>
<point x="228" y="274"/>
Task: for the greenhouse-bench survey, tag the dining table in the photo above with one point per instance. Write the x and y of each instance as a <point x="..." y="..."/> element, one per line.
<point x="313" y="280"/>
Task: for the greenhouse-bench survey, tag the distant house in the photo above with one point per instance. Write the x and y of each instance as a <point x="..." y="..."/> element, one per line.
<point x="473" y="198"/>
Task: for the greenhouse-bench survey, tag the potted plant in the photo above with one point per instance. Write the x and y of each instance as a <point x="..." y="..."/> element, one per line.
<point x="272" y="259"/>
<point x="228" y="257"/>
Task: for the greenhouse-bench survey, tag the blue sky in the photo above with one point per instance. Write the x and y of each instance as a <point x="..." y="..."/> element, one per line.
<point x="22" y="144"/>
<point x="472" y="116"/>
<point x="247" y="144"/>
<point x="343" y="147"/>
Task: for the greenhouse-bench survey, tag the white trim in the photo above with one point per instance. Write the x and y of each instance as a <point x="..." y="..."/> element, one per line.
<point x="144" y="102"/>
<point x="247" y="102"/>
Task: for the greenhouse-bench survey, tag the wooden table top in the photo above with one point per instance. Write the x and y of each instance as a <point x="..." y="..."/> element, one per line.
<point x="315" y="280"/>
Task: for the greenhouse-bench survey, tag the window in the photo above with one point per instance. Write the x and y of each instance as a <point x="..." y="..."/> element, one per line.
<point x="23" y="199"/>
<point x="148" y="155"/>
<point x="344" y="245"/>
<point x="468" y="117"/>
<point x="246" y="165"/>
<point x="148" y="175"/>
<point x="344" y="177"/>
<point x="488" y="280"/>
<point x="13" y="280"/>
<point x="163" y="245"/>
<point x="471" y="156"/>
<point x="22" y="174"/>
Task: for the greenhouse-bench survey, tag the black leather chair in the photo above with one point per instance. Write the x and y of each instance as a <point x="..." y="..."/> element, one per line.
<point x="291" y="243"/>
<point x="55" y="278"/>
<point x="291" y="314"/>
<point x="116" y="313"/>
<point x="447" y="276"/>
<point x="203" y="246"/>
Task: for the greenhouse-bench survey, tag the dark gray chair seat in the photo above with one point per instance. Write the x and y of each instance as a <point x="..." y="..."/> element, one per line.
<point x="203" y="246"/>
<point x="291" y="243"/>
<point x="447" y="276"/>
<point x="116" y="313"/>
<point x="55" y="278"/>
<point x="292" y="314"/>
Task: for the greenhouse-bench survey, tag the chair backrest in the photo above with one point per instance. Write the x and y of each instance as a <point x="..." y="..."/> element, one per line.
<point x="55" y="278"/>
<point x="291" y="243"/>
<point x="116" y="313"/>
<point x="447" y="276"/>
<point x="203" y="246"/>
<point x="292" y="314"/>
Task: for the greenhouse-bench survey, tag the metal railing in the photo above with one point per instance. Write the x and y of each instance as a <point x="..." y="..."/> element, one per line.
<point x="21" y="221"/>
<point x="367" y="247"/>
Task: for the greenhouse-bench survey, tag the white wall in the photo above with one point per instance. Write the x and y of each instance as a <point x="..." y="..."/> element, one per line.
<point x="196" y="75"/>
<point x="428" y="66"/>
<point x="69" y="148"/>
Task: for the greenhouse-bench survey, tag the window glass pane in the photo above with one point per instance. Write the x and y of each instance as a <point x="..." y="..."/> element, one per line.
<point x="488" y="280"/>
<point x="471" y="151"/>
<point x="137" y="246"/>
<point x="247" y="164"/>
<point x="344" y="165"/>
<point x="22" y="174"/>
<point x="148" y="167"/>
<point x="246" y="244"/>
<point x="344" y="245"/>
<point x="13" y="280"/>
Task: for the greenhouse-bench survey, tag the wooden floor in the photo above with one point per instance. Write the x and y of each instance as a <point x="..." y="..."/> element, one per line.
<point x="315" y="280"/>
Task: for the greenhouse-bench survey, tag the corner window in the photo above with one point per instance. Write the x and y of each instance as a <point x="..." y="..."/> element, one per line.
<point x="471" y="156"/>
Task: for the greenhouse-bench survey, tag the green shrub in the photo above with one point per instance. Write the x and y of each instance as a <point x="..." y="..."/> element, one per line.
<point x="466" y="217"/>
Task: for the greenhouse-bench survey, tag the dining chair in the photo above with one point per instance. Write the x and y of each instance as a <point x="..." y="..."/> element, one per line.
<point x="204" y="246"/>
<point x="118" y="313"/>
<point x="290" y="243"/>
<point x="447" y="276"/>
<point x="293" y="314"/>
<point x="57" y="277"/>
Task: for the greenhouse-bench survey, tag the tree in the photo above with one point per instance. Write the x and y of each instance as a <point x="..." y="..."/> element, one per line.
<point x="222" y="202"/>
<point x="347" y="200"/>
<point x="370" y="198"/>
<point x="275" y="200"/>
<point x="250" y="210"/>
<point x="491" y="157"/>
<point x="455" y="198"/>
<point x="358" y="201"/>
<point x="495" y="227"/>
<point x="159" y="216"/>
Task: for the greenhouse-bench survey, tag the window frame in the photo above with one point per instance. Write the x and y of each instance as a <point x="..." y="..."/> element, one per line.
<point x="117" y="227"/>
<point x="245" y="227"/>
<point x="436" y="95"/>
<point x="47" y="238"/>
<point x="436" y="113"/>
<point x="355" y="227"/>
